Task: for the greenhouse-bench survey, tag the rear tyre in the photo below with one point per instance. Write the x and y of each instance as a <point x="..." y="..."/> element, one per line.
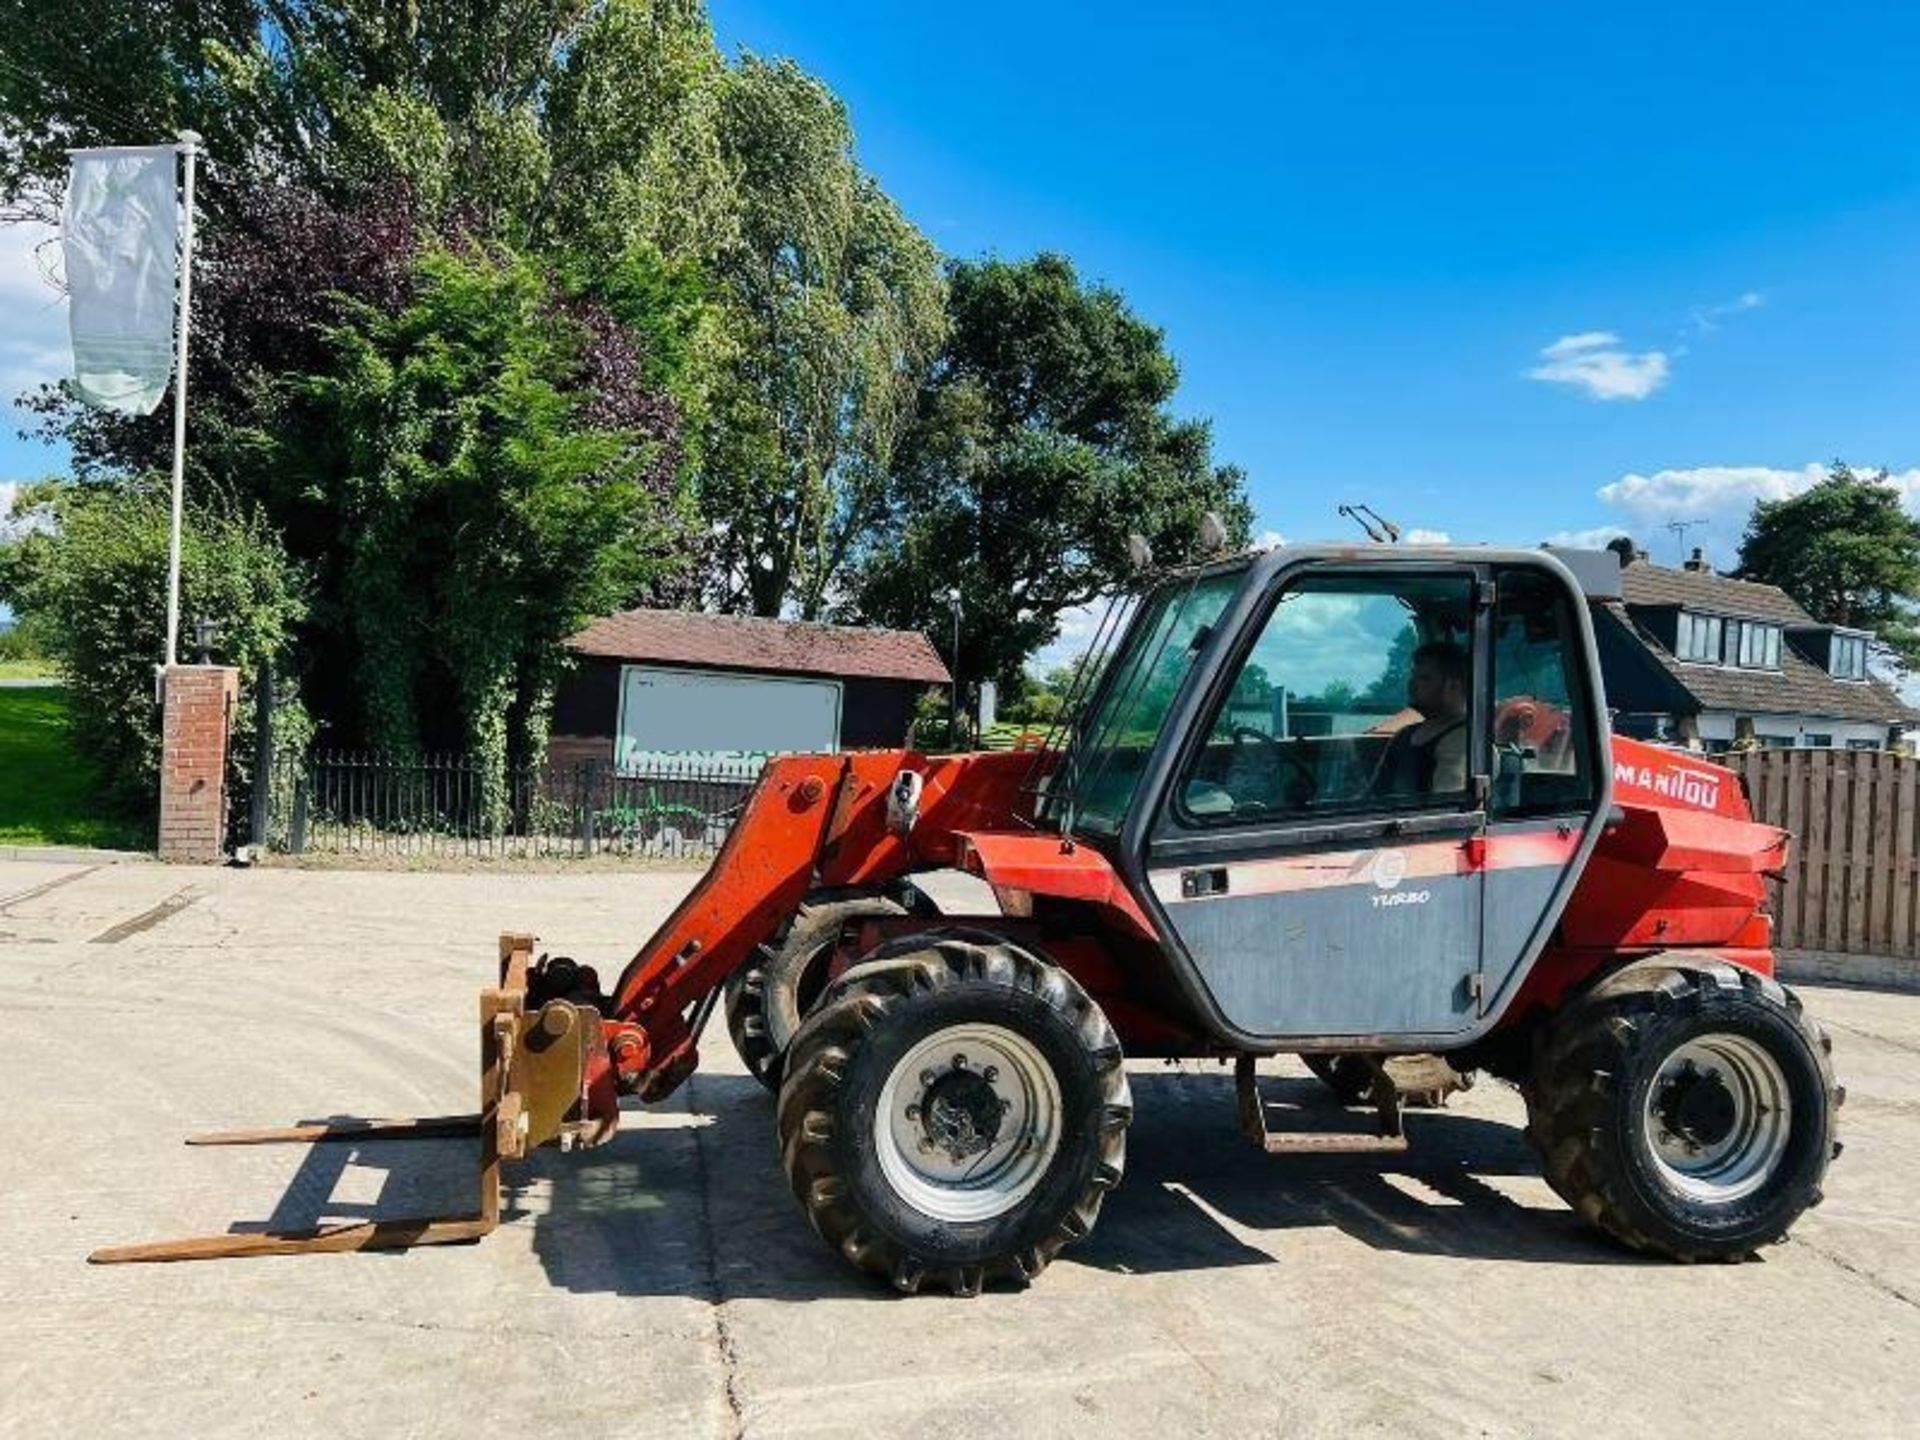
<point x="767" y="998"/>
<point x="954" y="1112"/>
<point x="1686" y="1108"/>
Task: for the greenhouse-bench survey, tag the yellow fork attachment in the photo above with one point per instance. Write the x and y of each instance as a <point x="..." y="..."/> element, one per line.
<point x="533" y="1080"/>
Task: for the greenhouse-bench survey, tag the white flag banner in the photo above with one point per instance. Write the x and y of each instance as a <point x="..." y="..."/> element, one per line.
<point x="120" y="233"/>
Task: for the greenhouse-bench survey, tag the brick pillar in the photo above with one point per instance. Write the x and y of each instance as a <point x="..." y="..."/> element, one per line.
<point x="197" y="719"/>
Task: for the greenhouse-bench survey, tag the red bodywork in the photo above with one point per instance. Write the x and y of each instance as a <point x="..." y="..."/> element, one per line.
<point x="1681" y="865"/>
<point x="1683" y="868"/>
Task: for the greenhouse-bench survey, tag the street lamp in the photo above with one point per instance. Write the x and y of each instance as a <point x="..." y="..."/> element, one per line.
<point x="953" y="700"/>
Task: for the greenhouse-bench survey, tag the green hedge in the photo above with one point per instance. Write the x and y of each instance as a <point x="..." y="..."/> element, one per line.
<point x="96" y="588"/>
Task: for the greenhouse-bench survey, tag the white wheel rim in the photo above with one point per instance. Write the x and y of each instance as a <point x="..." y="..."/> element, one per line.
<point x="938" y="1147"/>
<point x="1739" y="1152"/>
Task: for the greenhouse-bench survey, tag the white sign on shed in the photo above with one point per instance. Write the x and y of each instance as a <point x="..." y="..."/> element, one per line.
<point x="665" y="713"/>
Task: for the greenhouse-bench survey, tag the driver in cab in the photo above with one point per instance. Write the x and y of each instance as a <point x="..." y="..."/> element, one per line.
<point x="1429" y="756"/>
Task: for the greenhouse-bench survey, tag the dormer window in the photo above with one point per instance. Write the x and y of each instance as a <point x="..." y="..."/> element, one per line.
<point x="1753" y="645"/>
<point x="1716" y="640"/>
<point x="1700" y="638"/>
<point x="1848" y="658"/>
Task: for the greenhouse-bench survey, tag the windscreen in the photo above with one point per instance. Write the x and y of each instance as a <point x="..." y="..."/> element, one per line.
<point x="1101" y="769"/>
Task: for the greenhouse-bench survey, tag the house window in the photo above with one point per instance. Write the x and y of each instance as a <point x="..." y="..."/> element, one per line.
<point x="1849" y="657"/>
<point x="1700" y="638"/>
<point x="1754" y="645"/>
<point x="1863" y="745"/>
<point x="1818" y="741"/>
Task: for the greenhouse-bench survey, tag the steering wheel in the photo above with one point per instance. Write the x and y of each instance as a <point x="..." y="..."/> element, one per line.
<point x="1309" y="786"/>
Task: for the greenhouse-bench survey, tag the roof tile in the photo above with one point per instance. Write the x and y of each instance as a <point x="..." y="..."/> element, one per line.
<point x="1642" y="583"/>
<point x="746" y="642"/>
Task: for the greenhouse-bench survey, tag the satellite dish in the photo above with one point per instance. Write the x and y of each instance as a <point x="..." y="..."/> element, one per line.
<point x="1213" y="534"/>
<point x="1139" y="553"/>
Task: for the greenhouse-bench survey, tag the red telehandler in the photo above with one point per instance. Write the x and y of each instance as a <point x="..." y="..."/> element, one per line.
<point x="1359" y="804"/>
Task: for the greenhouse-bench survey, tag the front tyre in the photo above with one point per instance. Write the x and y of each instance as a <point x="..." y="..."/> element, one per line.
<point x="1687" y="1108"/>
<point x="954" y="1112"/>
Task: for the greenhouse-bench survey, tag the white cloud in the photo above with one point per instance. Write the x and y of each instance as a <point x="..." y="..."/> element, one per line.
<point x="33" y="342"/>
<point x="1421" y="536"/>
<point x="1269" y="540"/>
<point x="1719" y="499"/>
<point x="1078" y="627"/>
<point x="1707" y="318"/>
<point x="1593" y="538"/>
<point x="1596" y="362"/>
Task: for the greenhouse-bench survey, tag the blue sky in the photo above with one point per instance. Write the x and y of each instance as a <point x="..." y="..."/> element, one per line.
<point x="1360" y="226"/>
<point x="1502" y="271"/>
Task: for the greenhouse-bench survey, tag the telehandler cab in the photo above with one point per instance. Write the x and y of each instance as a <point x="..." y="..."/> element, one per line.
<point x="1359" y="804"/>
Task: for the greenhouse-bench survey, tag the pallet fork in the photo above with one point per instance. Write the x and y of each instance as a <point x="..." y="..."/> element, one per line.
<point x="534" y="1080"/>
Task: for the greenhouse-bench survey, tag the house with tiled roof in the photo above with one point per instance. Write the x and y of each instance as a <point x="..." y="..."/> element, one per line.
<point x="648" y="684"/>
<point x="1696" y="657"/>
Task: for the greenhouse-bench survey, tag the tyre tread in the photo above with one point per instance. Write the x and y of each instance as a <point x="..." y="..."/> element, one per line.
<point x="1570" y="1091"/>
<point x="817" y="1068"/>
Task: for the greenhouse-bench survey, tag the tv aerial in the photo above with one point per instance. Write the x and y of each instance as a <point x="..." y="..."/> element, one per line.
<point x="1679" y="528"/>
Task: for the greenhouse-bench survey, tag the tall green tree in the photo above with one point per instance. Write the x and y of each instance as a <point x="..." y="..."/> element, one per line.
<point x="487" y="498"/>
<point x="1847" y="552"/>
<point x="1042" y="438"/>
<point x="832" y="307"/>
<point x="570" y="152"/>
<point x="507" y="110"/>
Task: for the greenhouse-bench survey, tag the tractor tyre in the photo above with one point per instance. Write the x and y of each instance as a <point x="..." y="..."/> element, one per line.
<point x="954" y="1112"/>
<point x="1687" y="1108"/>
<point x="768" y="997"/>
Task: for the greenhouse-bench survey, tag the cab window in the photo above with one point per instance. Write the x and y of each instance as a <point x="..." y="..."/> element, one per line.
<point x="1543" y="748"/>
<point x="1357" y="695"/>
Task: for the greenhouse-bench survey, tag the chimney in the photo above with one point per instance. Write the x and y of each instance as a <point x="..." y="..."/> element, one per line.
<point x="1698" y="563"/>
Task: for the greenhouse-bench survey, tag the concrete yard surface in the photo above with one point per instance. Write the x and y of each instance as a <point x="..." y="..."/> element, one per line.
<point x="667" y="1284"/>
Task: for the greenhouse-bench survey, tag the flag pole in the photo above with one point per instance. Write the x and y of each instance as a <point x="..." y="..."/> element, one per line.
<point x="189" y="151"/>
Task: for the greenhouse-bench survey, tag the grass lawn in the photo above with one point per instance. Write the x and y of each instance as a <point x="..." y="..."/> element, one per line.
<point x="45" y="789"/>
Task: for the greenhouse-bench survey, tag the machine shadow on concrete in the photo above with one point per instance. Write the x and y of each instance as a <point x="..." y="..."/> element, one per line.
<point x="636" y="1216"/>
<point x="691" y="1200"/>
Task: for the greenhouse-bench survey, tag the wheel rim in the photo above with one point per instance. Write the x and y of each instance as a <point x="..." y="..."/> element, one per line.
<point x="968" y="1122"/>
<point x="1717" y="1118"/>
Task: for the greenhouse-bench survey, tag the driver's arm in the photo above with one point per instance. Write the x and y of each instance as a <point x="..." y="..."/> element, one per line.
<point x="1450" y="762"/>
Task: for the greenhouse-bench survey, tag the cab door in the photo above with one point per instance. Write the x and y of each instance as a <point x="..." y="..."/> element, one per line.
<point x="1318" y="849"/>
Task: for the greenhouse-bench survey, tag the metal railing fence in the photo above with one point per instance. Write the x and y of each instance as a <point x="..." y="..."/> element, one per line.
<point x="358" y="803"/>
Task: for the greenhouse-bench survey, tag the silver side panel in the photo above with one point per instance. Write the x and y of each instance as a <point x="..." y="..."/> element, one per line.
<point x="1352" y="959"/>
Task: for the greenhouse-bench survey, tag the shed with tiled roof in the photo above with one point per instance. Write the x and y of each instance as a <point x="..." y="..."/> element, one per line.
<point x="651" y="681"/>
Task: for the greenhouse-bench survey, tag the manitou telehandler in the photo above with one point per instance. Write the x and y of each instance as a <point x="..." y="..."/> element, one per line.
<point x="1359" y="804"/>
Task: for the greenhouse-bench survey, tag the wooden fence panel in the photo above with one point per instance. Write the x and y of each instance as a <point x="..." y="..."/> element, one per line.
<point x="1855" y="889"/>
<point x="1855" y="860"/>
<point x="1902" y="942"/>
<point x="1877" y="933"/>
<point x="1791" y="766"/>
